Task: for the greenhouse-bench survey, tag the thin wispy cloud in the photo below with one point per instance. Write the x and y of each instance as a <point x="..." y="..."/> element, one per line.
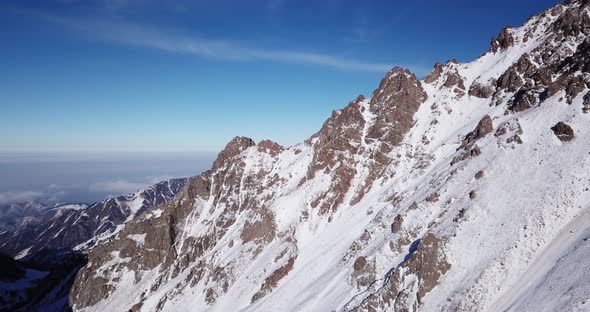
<point x="132" y="34"/>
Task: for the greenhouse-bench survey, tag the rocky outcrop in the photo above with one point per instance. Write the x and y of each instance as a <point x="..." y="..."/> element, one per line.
<point x="144" y="244"/>
<point x="393" y="105"/>
<point x="483" y="128"/>
<point x="551" y="67"/>
<point x="346" y="134"/>
<point x="510" y="80"/>
<point x="586" y="107"/>
<point x="503" y="41"/>
<point x="271" y="281"/>
<point x="468" y="147"/>
<point x="435" y="74"/>
<point x="414" y="278"/>
<point x="573" y="22"/>
<point x="563" y="131"/>
<point x="523" y="100"/>
<point x="156" y="240"/>
<point x="363" y="273"/>
<point x="268" y="146"/>
<point x="261" y="229"/>
<point x="453" y="80"/>
<point x="481" y="91"/>
<point x="337" y="142"/>
<point x="236" y="146"/>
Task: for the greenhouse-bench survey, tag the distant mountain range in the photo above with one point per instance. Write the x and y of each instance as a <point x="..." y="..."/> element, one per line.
<point x="11" y="213"/>
<point x="53" y="240"/>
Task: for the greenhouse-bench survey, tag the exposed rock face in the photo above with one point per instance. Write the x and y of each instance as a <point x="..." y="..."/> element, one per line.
<point x="263" y="229"/>
<point x="156" y="239"/>
<point x="483" y="128"/>
<point x="435" y="74"/>
<point x="360" y="263"/>
<point x="347" y="134"/>
<point x="394" y="103"/>
<point x="272" y="281"/>
<point x="232" y="149"/>
<point x="510" y="80"/>
<point x="468" y="147"/>
<point x="393" y="106"/>
<point x="480" y="90"/>
<point x="503" y="41"/>
<point x="363" y="273"/>
<point x="52" y="244"/>
<point x="523" y="100"/>
<point x="453" y="79"/>
<point x="397" y="223"/>
<point x="337" y="141"/>
<point x="416" y="276"/>
<point x="564" y="55"/>
<point x="563" y="131"/>
<point x="479" y="174"/>
<point x="586" y="107"/>
<point x="144" y="244"/>
<point x="270" y="147"/>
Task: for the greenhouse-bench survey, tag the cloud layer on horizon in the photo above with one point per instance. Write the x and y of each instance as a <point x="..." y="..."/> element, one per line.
<point x="123" y="187"/>
<point x="23" y="196"/>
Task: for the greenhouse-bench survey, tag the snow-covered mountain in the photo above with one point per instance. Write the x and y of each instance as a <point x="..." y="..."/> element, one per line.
<point x="10" y="213"/>
<point x="67" y="226"/>
<point x="50" y="244"/>
<point x="464" y="191"/>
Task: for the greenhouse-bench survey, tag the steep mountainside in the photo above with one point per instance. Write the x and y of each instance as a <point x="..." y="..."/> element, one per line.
<point x="463" y="191"/>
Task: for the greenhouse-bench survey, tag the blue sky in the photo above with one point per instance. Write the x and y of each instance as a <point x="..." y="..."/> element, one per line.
<point x="177" y="76"/>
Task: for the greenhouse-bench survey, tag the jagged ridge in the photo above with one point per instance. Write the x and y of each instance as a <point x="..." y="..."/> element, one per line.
<point x="429" y="195"/>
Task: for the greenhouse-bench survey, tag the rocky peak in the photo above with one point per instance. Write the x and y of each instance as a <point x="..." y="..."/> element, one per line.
<point x="236" y="146"/>
<point x="434" y="74"/>
<point x="398" y="80"/>
<point x="391" y="109"/>
<point x="394" y="103"/>
<point x="270" y="147"/>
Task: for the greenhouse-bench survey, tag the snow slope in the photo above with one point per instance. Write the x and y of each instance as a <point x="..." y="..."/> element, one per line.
<point x="449" y="193"/>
